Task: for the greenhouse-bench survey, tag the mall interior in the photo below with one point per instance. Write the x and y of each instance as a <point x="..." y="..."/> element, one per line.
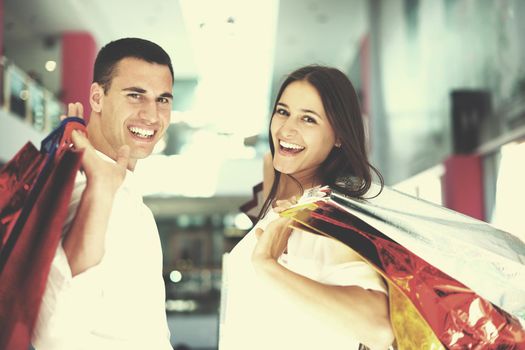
<point x="441" y="86"/>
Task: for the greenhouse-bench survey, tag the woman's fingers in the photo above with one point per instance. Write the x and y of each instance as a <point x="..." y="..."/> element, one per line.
<point x="278" y="224"/>
<point x="283" y="204"/>
<point x="258" y="232"/>
<point x="273" y="241"/>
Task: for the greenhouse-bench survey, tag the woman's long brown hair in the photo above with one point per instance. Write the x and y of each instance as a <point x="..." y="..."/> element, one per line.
<point x="346" y="169"/>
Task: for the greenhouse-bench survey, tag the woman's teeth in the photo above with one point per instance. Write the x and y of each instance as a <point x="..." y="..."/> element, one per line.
<point x="290" y="146"/>
<point x="144" y="133"/>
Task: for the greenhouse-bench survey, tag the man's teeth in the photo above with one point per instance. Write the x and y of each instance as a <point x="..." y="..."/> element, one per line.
<point x="141" y="132"/>
<point x="290" y="145"/>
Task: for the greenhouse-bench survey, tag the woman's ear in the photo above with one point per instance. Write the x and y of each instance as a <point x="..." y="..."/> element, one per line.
<point x="96" y="97"/>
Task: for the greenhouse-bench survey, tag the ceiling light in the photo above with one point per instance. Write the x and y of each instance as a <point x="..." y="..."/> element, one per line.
<point x="242" y="222"/>
<point x="50" y="66"/>
<point x="24" y="95"/>
<point x="175" y="276"/>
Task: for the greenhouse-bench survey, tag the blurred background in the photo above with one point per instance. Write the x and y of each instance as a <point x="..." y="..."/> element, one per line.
<point x="441" y="82"/>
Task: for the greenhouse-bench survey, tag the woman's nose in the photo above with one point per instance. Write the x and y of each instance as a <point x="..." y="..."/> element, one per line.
<point x="289" y="127"/>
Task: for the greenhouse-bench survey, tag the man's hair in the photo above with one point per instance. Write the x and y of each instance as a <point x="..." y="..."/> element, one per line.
<point x="112" y="53"/>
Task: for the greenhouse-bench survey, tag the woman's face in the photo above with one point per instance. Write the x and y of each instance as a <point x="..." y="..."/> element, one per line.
<point x="301" y="133"/>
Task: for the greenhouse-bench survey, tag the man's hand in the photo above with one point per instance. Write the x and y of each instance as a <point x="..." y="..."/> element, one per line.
<point x="98" y="171"/>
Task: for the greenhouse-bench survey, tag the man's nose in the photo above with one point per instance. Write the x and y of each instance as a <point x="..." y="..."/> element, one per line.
<point x="149" y="112"/>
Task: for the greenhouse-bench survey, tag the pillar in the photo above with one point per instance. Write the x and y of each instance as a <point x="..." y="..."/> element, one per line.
<point x="463" y="185"/>
<point x="79" y="51"/>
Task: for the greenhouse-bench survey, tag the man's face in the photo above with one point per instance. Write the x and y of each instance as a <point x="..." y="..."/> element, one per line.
<point x="136" y="109"/>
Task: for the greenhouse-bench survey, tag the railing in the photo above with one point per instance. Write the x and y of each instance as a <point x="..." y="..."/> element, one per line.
<point x="25" y="98"/>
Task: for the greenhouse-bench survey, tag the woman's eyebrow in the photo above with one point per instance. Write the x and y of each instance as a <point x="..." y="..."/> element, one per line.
<point x="311" y="111"/>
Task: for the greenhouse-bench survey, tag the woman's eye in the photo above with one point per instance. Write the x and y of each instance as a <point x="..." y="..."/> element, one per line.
<point x="281" y="111"/>
<point x="163" y="100"/>
<point x="134" y="96"/>
<point x="309" y="119"/>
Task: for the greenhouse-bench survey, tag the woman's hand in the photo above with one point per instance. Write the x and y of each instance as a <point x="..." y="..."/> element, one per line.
<point x="272" y="242"/>
<point x="283" y="204"/>
<point x="99" y="172"/>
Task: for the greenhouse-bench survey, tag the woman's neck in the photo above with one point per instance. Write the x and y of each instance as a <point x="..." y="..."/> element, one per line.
<point x="289" y="188"/>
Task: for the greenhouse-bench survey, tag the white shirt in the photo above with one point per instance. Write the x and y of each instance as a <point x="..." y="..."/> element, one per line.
<point x="253" y="316"/>
<point x="117" y="304"/>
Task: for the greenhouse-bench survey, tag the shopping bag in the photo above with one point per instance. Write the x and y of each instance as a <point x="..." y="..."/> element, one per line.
<point x="35" y="189"/>
<point x="253" y="207"/>
<point x="429" y="308"/>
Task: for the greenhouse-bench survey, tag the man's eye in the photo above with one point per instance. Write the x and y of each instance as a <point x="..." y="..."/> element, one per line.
<point x="134" y="96"/>
<point x="163" y="100"/>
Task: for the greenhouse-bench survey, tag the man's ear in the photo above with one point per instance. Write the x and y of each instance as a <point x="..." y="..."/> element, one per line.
<point x="96" y="97"/>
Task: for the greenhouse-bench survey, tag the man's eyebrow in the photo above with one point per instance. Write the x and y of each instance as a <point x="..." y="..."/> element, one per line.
<point x="167" y="95"/>
<point x="142" y="91"/>
<point x="135" y="89"/>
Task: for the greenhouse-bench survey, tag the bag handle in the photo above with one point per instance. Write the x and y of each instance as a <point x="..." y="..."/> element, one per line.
<point x="59" y="140"/>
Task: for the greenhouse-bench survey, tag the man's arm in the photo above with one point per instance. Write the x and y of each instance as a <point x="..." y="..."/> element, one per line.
<point x="84" y="243"/>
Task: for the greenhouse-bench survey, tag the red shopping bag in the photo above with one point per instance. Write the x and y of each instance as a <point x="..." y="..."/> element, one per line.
<point x="458" y="317"/>
<point x="35" y="189"/>
<point x="428" y="308"/>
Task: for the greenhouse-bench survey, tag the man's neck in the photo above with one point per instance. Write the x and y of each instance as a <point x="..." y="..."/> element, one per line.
<point x="102" y="146"/>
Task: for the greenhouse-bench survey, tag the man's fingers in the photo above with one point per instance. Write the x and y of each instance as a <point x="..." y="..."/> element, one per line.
<point x="71" y="110"/>
<point x="75" y="110"/>
<point x="80" y="141"/>
<point x="80" y="110"/>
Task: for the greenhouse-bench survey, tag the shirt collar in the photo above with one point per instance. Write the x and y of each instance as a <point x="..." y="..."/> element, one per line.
<point x="129" y="180"/>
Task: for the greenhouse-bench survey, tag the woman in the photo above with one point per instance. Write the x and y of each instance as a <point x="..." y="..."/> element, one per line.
<point x="294" y="290"/>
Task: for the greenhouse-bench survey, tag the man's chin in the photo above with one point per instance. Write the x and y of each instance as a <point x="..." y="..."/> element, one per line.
<point x="140" y="154"/>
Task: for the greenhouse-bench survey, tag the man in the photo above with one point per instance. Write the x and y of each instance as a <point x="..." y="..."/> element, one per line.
<point x="105" y="288"/>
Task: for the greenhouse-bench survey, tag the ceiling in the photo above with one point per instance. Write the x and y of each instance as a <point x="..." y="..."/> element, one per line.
<point x="229" y="56"/>
<point x="157" y="20"/>
<point x="308" y="31"/>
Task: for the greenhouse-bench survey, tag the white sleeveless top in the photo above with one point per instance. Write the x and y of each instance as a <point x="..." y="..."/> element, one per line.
<point x="253" y="317"/>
